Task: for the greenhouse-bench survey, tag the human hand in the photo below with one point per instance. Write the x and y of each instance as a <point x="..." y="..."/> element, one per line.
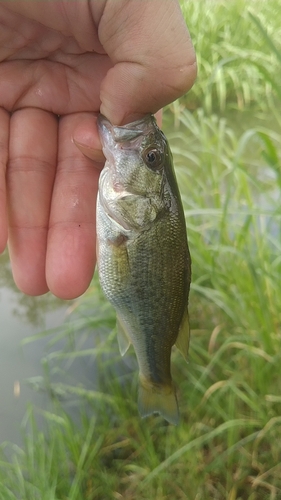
<point x="61" y="63"/>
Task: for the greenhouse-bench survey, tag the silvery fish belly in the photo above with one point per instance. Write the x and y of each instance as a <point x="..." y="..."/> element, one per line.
<point x="143" y="257"/>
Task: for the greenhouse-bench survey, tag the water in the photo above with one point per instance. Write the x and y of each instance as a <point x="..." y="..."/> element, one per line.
<point x="21" y="317"/>
<point x="23" y="376"/>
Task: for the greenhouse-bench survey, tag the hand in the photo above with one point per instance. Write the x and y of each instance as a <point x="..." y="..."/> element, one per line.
<point x="61" y="63"/>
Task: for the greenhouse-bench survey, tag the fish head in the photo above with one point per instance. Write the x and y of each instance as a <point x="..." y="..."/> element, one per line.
<point x="136" y="154"/>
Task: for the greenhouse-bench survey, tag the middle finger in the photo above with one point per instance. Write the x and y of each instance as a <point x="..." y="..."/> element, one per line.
<point x="71" y="241"/>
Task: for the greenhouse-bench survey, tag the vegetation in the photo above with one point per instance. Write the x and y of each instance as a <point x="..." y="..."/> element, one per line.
<point x="227" y="445"/>
<point x="236" y="66"/>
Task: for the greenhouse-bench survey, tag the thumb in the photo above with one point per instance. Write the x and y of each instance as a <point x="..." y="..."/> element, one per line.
<point x="153" y="57"/>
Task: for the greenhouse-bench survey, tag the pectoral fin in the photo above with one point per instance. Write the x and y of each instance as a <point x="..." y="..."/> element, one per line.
<point x="182" y="341"/>
<point x="122" y="337"/>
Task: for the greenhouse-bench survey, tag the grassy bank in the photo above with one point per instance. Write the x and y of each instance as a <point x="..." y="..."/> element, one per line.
<point x="227" y="445"/>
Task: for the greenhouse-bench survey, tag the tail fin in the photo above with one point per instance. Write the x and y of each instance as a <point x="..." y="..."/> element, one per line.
<point x="158" y="399"/>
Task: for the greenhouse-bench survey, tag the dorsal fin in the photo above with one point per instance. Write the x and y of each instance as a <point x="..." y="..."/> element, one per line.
<point x="182" y="341"/>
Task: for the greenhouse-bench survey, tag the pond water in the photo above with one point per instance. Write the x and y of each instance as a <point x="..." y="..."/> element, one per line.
<point x="23" y="348"/>
<point x="21" y="317"/>
<point x="22" y="371"/>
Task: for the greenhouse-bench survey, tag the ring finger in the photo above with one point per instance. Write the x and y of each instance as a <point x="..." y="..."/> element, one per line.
<point x="30" y="178"/>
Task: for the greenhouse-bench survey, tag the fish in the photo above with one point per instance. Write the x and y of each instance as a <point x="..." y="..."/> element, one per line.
<point x="144" y="264"/>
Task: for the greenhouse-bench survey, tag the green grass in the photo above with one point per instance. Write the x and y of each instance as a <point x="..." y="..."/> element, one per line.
<point x="227" y="445"/>
<point x="236" y="66"/>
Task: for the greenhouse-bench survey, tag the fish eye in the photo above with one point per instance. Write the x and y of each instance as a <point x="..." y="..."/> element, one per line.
<point x="153" y="158"/>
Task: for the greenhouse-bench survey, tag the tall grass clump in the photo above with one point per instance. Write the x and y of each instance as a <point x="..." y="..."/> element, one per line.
<point x="92" y="444"/>
<point x="233" y="58"/>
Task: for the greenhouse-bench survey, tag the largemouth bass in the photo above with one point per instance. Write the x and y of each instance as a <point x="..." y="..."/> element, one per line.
<point x="143" y="257"/>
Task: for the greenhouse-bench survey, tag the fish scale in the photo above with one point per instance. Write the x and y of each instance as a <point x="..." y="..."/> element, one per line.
<point x="143" y="257"/>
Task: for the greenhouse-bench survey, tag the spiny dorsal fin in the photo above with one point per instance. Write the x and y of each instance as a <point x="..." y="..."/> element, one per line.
<point x="182" y="341"/>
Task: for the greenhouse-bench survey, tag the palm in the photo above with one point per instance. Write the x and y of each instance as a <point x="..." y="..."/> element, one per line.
<point x="51" y="68"/>
<point x="67" y="85"/>
<point x="42" y="75"/>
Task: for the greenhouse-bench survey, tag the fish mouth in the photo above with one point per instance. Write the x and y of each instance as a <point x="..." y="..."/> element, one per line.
<point x="111" y="134"/>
